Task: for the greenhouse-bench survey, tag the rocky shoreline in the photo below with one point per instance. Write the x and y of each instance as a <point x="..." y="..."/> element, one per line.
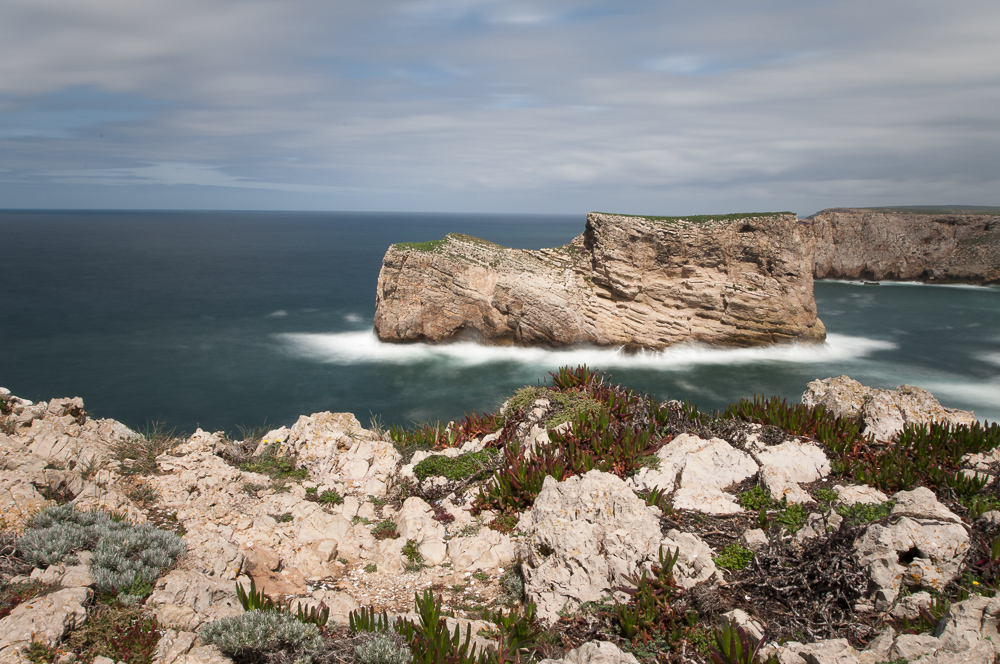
<point x="860" y="527"/>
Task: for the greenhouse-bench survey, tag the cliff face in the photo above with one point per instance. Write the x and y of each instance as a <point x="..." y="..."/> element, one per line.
<point x="632" y="281"/>
<point x="879" y="244"/>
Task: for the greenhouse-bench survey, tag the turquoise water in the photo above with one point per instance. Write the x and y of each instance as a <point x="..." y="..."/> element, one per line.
<point x="228" y="319"/>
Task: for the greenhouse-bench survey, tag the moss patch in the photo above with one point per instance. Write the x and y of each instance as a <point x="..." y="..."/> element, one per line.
<point x="566" y="406"/>
<point x="454" y="468"/>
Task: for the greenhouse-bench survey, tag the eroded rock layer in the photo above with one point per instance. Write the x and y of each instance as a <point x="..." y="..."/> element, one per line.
<point x="881" y="244"/>
<point x="627" y="281"/>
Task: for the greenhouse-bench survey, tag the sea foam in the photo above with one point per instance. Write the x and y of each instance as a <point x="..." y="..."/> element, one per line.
<point x="364" y="347"/>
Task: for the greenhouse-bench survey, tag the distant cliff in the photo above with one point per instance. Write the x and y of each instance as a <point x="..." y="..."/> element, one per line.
<point x="941" y="247"/>
<point x="627" y="281"/>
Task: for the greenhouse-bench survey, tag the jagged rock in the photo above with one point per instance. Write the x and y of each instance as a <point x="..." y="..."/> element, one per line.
<point x="701" y="470"/>
<point x="415" y="521"/>
<point x="983" y="461"/>
<point x="67" y="576"/>
<point x="178" y="647"/>
<point x="340" y="604"/>
<point x="934" y="549"/>
<point x="186" y="600"/>
<point x="853" y="494"/>
<point x="213" y="555"/>
<point x="942" y="247"/>
<point x="334" y="447"/>
<point x="909" y="607"/>
<point x="992" y="518"/>
<point x="487" y="549"/>
<point x="782" y="487"/>
<point x="832" y="651"/>
<point x="45" y="619"/>
<point x="583" y="537"/>
<point x="60" y="432"/>
<point x="626" y="281"/>
<point x="595" y="652"/>
<point x="882" y="412"/>
<point x="923" y="503"/>
<point x="694" y="560"/>
<point x="743" y="619"/>
<point x="755" y="539"/>
<point x="785" y="465"/>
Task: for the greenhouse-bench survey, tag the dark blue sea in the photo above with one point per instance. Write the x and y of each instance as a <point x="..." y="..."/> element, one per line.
<point x="236" y="319"/>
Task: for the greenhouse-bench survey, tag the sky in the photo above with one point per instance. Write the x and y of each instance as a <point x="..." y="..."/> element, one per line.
<point x="659" y="107"/>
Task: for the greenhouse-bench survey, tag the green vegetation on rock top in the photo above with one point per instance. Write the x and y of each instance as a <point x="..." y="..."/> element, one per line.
<point x="937" y="209"/>
<point x="430" y="245"/>
<point x="434" y="245"/>
<point x="700" y="218"/>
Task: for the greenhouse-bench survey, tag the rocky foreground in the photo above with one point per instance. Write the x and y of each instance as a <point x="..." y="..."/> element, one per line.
<point x="859" y="527"/>
<point x="627" y="281"/>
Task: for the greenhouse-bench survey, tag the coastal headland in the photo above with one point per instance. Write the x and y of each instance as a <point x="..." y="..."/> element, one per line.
<point x="637" y="282"/>
<point x="940" y="245"/>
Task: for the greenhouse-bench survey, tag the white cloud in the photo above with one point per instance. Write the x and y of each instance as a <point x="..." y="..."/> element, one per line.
<point x="547" y="106"/>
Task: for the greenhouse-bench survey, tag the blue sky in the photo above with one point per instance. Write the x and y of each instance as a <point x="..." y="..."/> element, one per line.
<point x="653" y="107"/>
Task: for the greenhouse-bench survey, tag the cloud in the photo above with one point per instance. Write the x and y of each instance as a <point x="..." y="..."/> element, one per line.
<point x="496" y="106"/>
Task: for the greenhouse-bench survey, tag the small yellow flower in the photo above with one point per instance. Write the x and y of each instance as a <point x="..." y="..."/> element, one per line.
<point x="975" y="583"/>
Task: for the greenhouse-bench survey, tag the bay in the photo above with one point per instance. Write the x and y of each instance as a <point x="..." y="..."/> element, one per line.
<point x="230" y="319"/>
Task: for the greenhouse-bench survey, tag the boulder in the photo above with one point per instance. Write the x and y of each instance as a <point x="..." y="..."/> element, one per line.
<point x="883" y="413"/>
<point x="46" y="619"/>
<point x="699" y="470"/>
<point x="185" y="600"/>
<point x="925" y="550"/>
<point x="179" y="647"/>
<point x="335" y="448"/>
<point x="583" y="537"/>
<point x="595" y="652"/>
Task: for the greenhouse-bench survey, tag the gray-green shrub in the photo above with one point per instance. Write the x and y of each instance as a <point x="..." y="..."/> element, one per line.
<point x="127" y="558"/>
<point x="56" y="532"/>
<point x="260" y="632"/>
<point x="382" y="648"/>
<point x="131" y="561"/>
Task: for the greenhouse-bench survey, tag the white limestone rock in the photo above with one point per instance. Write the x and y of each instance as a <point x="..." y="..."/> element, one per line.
<point x="883" y="412"/>
<point x="781" y="486"/>
<point x="185" y="600"/>
<point x="923" y="503"/>
<point x="852" y="494"/>
<point x="583" y="537"/>
<point x="45" y="619"/>
<point x="595" y="652"/>
<point x="909" y="607"/>
<point x="179" y="647"/>
<point x="699" y="470"/>
<point x="694" y="560"/>
<point x="756" y="539"/>
<point x="487" y="549"/>
<point x="334" y="447"/>
<point x="938" y="550"/>
<point x="801" y="462"/>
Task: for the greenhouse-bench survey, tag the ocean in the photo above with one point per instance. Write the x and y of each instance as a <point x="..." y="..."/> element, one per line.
<point x="230" y="320"/>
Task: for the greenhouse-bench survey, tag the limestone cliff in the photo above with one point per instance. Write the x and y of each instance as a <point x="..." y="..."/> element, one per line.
<point x="627" y="281"/>
<point x="932" y="246"/>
